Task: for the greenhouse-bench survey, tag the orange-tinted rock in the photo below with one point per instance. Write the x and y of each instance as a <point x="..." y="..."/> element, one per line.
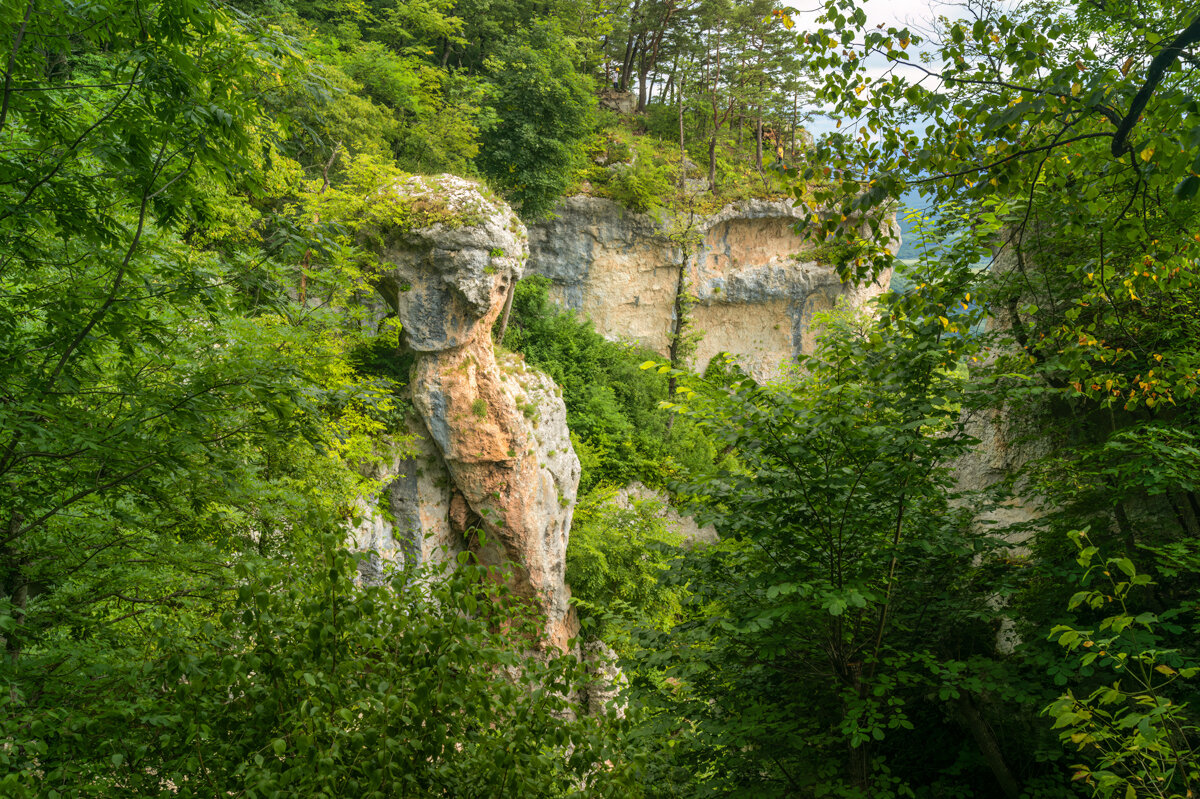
<point x="499" y="430"/>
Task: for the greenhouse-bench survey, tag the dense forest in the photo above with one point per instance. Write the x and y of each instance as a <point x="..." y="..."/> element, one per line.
<point x="194" y="388"/>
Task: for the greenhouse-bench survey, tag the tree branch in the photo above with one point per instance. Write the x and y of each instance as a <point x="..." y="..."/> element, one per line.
<point x="12" y="63"/>
<point x="1154" y="76"/>
<point x="1019" y="154"/>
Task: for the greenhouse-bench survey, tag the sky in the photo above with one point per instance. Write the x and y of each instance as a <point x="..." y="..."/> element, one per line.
<point x="918" y="15"/>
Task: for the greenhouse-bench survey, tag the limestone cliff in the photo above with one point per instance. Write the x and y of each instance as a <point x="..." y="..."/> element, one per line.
<point x="493" y="450"/>
<point x="756" y="283"/>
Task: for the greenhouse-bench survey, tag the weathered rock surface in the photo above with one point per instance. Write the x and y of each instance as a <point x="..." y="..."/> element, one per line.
<point x="685" y="526"/>
<point x="621" y="102"/>
<point x="448" y="281"/>
<point x="494" y="451"/>
<point x="408" y="520"/>
<point x="756" y="282"/>
<point x="607" y="679"/>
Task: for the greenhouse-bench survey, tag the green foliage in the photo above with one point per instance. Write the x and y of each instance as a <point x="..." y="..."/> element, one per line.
<point x="634" y="170"/>
<point x="841" y="253"/>
<point x="1058" y="155"/>
<point x="615" y="562"/>
<point x="810" y="648"/>
<point x="642" y="186"/>
<point x="1136" y="732"/>
<point x="191" y="387"/>
<point x="543" y="110"/>
<point x="302" y="682"/>
<point x="613" y="411"/>
<point x="635" y="161"/>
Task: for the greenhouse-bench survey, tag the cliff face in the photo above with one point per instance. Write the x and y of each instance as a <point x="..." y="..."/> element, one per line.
<point x="756" y="283"/>
<point x="493" y="450"/>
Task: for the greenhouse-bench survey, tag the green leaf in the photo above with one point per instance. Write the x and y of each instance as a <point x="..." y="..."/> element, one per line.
<point x="1186" y="189"/>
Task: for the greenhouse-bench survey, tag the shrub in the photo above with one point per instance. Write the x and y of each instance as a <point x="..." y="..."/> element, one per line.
<point x="305" y="683"/>
<point x="642" y="186"/>
<point x="616" y="557"/>
<point x="612" y="404"/>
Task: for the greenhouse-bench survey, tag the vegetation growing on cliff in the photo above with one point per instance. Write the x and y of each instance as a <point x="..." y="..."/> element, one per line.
<point x="188" y="384"/>
<point x="619" y="431"/>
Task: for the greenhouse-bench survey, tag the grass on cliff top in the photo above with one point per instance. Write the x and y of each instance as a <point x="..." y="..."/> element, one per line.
<point x="634" y="160"/>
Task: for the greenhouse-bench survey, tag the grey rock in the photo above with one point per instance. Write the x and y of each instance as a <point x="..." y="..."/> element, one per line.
<point x="446" y="281"/>
<point x="492" y="446"/>
<point x="755" y="282"/>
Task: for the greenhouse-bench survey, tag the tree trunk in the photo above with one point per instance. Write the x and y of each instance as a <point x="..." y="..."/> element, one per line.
<point x="682" y="151"/>
<point x="508" y="301"/>
<point x="631" y="50"/>
<point x="712" y="164"/>
<point x="795" y="120"/>
<point x="606" y="58"/>
<point x="679" y="325"/>
<point x="985" y="739"/>
<point x="858" y="760"/>
<point x="758" y="142"/>
<point x="16" y="587"/>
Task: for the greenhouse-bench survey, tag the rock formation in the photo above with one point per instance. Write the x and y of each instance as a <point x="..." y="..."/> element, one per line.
<point x="756" y="283"/>
<point x="689" y="529"/>
<point x="494" y="453"/>
<point x="492" y="450"/>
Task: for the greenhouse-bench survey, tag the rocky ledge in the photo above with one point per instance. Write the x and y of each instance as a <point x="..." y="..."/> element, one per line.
<point x="756" y="283"/>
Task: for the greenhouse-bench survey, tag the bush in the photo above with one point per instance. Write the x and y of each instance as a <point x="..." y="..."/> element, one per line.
<point x="642" y="186"/>
<point x="308" y="684"/>
<point x="616" y="557"/>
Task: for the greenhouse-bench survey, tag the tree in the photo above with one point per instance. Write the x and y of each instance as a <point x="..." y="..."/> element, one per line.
<point x="543" y="110"/>
<point x="1059" y="154"/>
<point x="165" y="409"/>
<point x="809" y="637"/>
